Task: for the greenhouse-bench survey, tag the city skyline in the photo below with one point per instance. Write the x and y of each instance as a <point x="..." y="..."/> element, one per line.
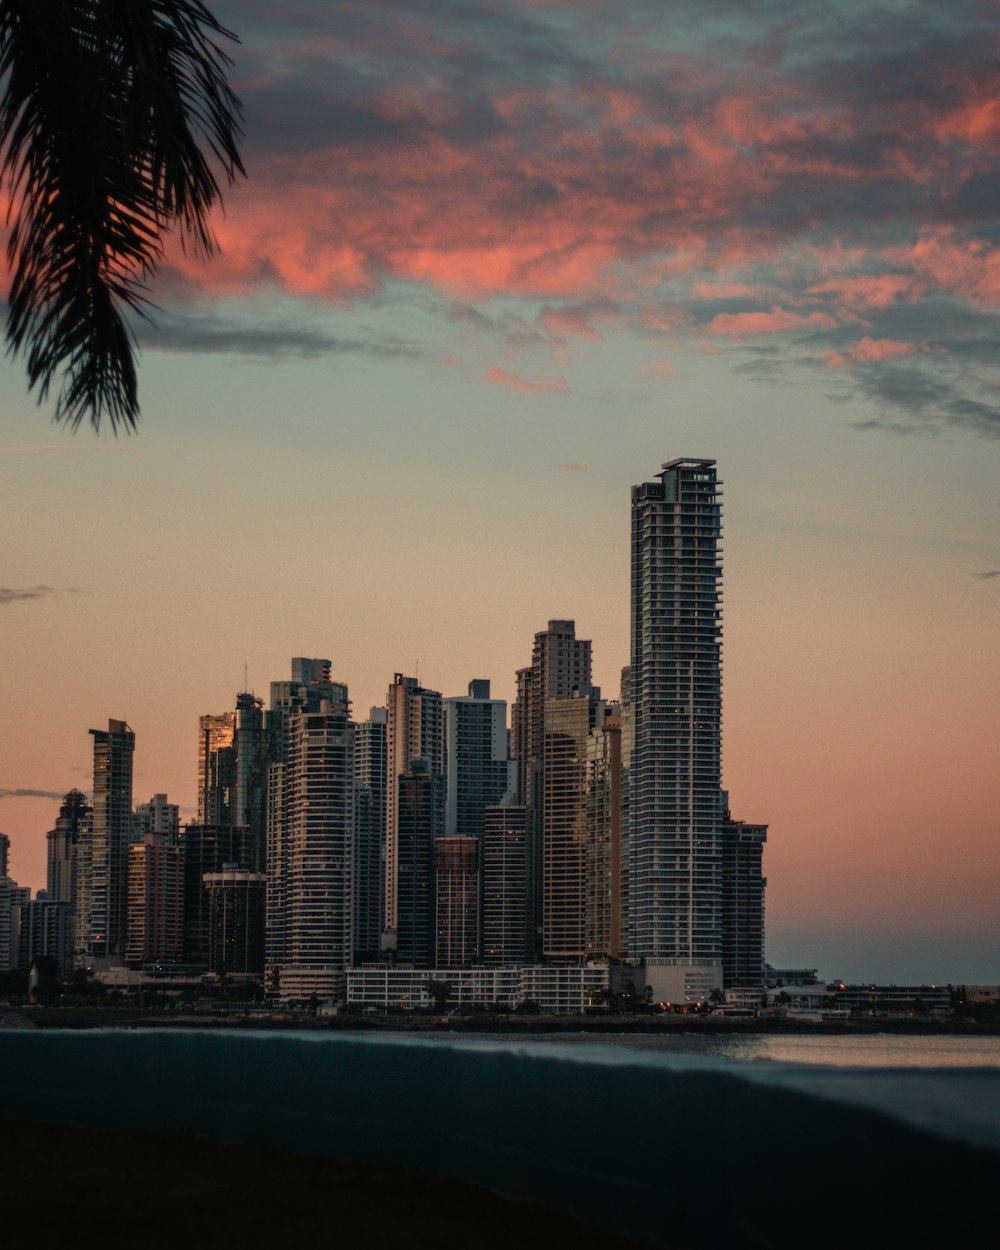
<point x="484" y="290"/>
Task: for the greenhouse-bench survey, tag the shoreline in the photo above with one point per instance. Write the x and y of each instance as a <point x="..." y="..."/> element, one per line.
<point x="615" y="1026"/>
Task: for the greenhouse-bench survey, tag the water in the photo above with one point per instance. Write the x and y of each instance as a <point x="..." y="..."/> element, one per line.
<point x="878" y="1050"/>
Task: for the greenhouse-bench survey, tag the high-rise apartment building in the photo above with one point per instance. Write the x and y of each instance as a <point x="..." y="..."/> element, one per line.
<point x="46" y="933"/>
<point x="74" y="816"/>
<point x="602" y="895"/>
<point x="236" y="921"/>
<point x="456" y="900"/>
<point x="102" y="849"/>
<point x="743" y="885"/>
<point x="206" y="849"/>
<point x="675" y="768"/>
<point x="369" y="833"/>
<point x="560" y="665"/>
<point x="414" y="730"/>
<point x="310" y="686"/>
<point x="248" y="800"/>
<point x="4" y="854"/>
<point x="507" y="937"/>
<point x="568" y="726"/>
<point x="478" y="769"/>
<point x="156" y="816"/>
<point x="155" y="900"/>
<point x="319" y="852"/>
<point x="420" y="823"/>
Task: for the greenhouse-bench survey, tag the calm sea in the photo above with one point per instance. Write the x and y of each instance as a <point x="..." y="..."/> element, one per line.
<point x="879" y="1050"/>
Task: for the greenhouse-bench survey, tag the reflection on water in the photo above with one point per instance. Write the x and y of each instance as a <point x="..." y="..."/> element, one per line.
<point x="879" y="1050"/>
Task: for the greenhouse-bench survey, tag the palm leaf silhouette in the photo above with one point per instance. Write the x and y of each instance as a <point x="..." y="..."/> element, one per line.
<point x="113" y="114"/>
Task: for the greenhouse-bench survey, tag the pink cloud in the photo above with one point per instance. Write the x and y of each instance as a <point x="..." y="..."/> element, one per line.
<point x="530" y="386"/>
<point x="572" y="468"/>
<point x="777" y="321"/>
<point x="658" y="368"/>
<point x="868" y="351"/>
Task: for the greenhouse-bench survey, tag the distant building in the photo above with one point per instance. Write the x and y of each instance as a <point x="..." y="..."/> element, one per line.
<point x="419" y="823"/>
<point x="568" y="726"/>
<point x="414" y="730"/>
<point x="102" y="848"/>
<point x="507" y="937"/>
<point x="456" y="876"/>
<point x="235" y="921"/>
<point x="13" y="899"/>
<point x="743" y="885"/>
<point x="4" y="854"/>
<point x="319" y="852"/>
<point x="155" y="901"/>
<point x="216" y="768"/>
<point x="560" y="666"/>
<point x="156" y="816"/>
<point x="205" y="849"/>
<point x="675" y="919"/>
<point x="556" y="990"/>
<point x="478" y="769"/>
<point x="73" y="821"/>
<point x="45" y="931"/>
<point x="603" y="865"/>
<point x="369" y="833"/>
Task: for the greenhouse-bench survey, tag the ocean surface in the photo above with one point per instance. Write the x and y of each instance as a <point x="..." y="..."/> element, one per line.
<point x="879" y="1050"/>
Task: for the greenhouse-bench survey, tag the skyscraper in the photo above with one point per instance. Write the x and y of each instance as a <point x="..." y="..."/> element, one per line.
<point x="675" y="767"/>
<point x="319" y="855"/>
<point x="568" y="725"/>
<point x="414" y="730"/>
<point x="560" y="665"/>
<point x="507" y="937"/>
<point x="102" y="850"/>
<point x="155" y="900"/>
<point x="456" y="900"/>
<point x="479" y="771"/>
<point x="420" y="823"/>
<point x="216" y="768"/>
<point x="369" y="833"/>
<point x="603" y="850"/>
<point x="74" y="816"/>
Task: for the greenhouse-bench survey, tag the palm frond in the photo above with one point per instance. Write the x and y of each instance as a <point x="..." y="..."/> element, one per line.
<point x="113" y="115"/>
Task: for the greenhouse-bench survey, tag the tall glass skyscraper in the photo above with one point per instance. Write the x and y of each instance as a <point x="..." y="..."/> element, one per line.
<point x="675" y="768"/>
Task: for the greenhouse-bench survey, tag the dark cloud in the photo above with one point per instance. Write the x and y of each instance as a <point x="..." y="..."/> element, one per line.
<point x="988" y="573"/>
<point x="213" y="335"/>
<point x="12" y="594"/>
<point x="57" y="795"/>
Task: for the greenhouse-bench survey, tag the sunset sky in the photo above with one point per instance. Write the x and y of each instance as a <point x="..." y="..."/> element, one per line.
<point x="494" y="263"/>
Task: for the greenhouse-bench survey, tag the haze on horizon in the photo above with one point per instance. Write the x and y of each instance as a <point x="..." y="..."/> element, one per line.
<point x="494" y="263"/>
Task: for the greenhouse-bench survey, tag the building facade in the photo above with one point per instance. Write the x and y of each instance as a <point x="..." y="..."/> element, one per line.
<point x="507" y="937"/>
<point x="456" y="900"/>
<point x="478" y="768"/>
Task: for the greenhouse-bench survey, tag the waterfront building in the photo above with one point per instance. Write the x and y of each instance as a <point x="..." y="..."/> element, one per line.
<point x="456" y="894"/>
<point x="675" y="769"/>
<point x="414" y="730"/>
<point x="319" y="855"/>
<point x="155" y="900"/>
<point x="743" y="885"/>
<point x="369" y="833"/>
<point x="420" y="822"/>
<point x="45" y="932"/>
<point x="102" y="848"/>
<point x="236" y="921"/>
<point x="507" y="938"/>
<point x="602" y="885"/>
<point x="567" y="990"/>
<point x="4" y="854"/>
<point x="476" y="751"/>
<point x="568" y="726"/>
